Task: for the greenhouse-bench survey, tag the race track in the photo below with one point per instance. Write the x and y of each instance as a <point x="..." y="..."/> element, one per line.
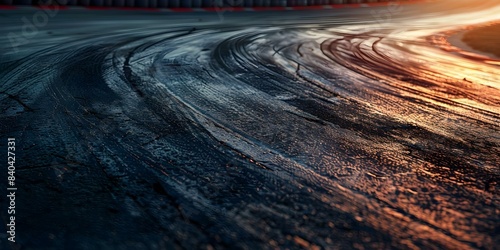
<point x="330" y="129"/>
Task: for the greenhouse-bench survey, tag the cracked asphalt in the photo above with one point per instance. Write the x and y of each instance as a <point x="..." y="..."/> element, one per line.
<point x="335" y="129"/>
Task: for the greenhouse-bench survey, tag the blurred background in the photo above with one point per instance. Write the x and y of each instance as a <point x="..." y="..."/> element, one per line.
<point x="186" y="3"/>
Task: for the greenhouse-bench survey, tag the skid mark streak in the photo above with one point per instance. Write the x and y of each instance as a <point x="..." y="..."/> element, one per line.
<point x="304" y="133"/>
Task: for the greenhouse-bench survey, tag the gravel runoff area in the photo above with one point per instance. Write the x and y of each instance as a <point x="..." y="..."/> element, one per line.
<point x="484" y="39"/>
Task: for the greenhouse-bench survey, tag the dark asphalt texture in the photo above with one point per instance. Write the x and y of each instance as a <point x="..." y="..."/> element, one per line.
<point x="335" y="129"/>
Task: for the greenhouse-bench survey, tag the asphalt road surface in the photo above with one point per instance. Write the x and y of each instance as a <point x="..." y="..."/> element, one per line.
<point x="350" y="128"/>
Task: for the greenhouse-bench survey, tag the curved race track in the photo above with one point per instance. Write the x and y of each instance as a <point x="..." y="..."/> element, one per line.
<point x="335" y="129"/>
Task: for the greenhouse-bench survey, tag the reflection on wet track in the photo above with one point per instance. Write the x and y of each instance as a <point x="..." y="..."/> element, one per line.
<point x="333" y="131"/>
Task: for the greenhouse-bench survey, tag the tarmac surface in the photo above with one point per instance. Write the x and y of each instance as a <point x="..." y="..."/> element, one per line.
<point x="333" y="129"/>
